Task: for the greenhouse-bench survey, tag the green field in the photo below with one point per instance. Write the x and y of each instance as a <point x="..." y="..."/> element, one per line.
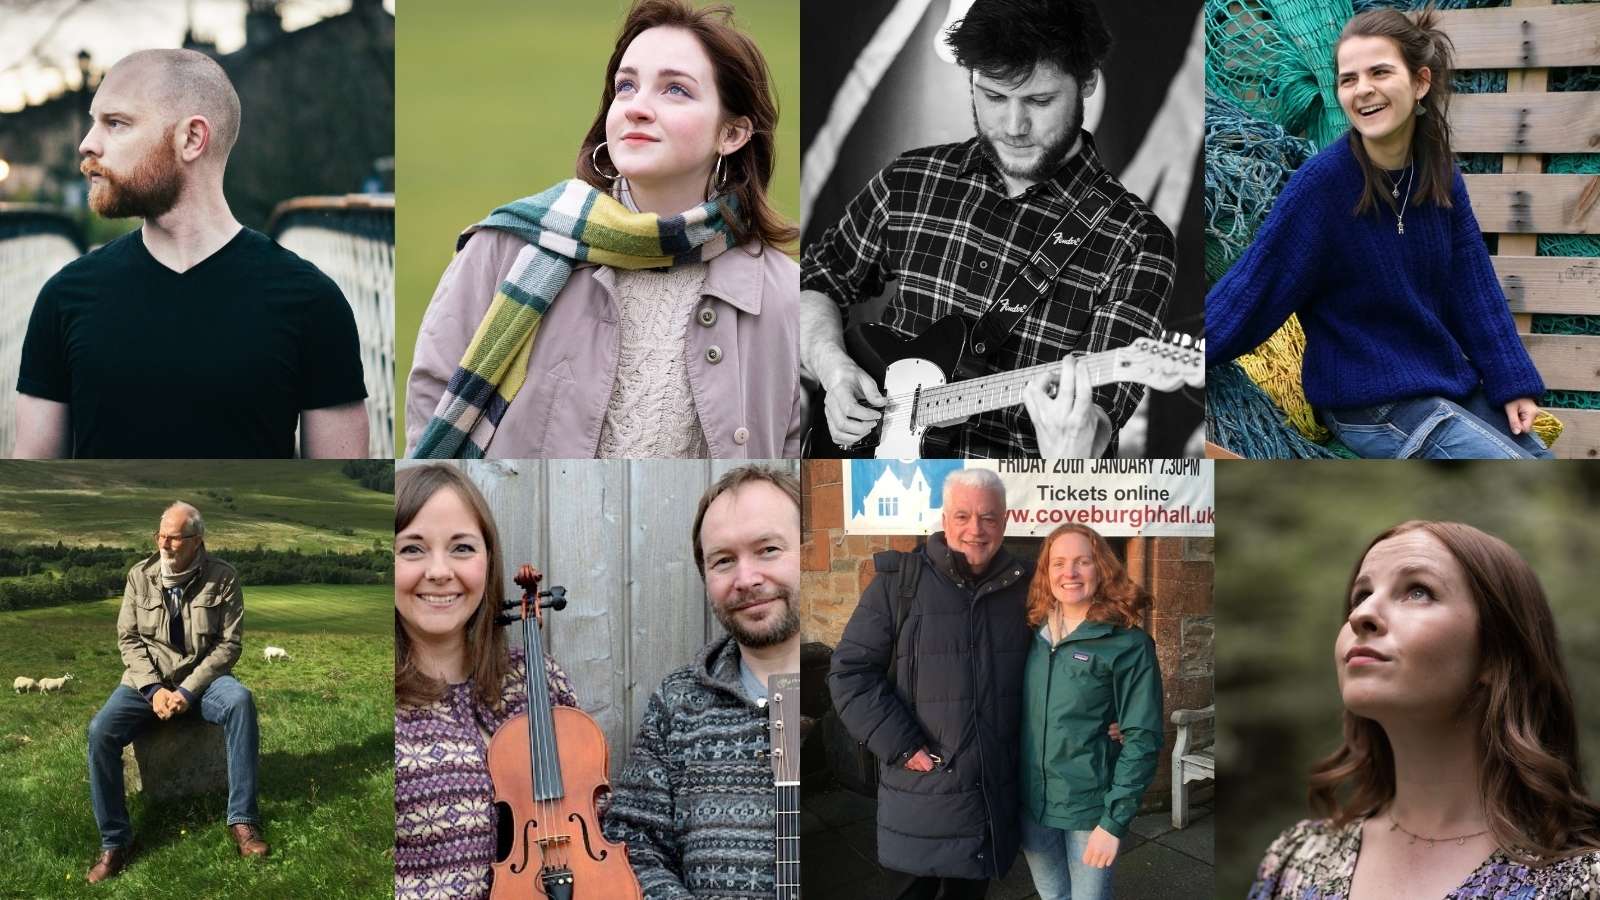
<point x="305" y="505"/>
<point x="327" y="756"/>
<point x="497" y="97"/>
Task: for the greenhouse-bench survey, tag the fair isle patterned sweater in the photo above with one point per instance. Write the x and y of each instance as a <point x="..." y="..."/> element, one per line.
<point x="695" y="801"/>
<point x="1316" y="861"/>
<point x="444" y="819"/>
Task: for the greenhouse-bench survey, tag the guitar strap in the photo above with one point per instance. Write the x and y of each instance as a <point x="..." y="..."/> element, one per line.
<point x="1035" y="281"/>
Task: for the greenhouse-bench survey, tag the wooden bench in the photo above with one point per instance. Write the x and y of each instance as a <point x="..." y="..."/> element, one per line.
<point x="177" y="758"/>
<point x="1193" y="758"/>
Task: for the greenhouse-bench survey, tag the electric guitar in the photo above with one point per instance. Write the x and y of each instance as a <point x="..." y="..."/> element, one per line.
<point x="783" y="720"/>
<point x="914" y="376"/>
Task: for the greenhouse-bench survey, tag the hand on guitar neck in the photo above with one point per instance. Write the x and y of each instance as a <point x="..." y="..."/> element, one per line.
<point x="1065" y="420"/>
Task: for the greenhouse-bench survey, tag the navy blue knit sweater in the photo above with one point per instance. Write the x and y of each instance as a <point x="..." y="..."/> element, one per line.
<point x="1387" y="316"/>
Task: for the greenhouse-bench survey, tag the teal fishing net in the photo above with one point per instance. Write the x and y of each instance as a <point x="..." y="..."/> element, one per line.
<point x="1241" y="417"/>
<point x="1248" y="161"/>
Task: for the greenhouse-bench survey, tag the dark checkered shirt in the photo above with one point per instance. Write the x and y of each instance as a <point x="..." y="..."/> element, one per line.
<point x="938" y="222"/>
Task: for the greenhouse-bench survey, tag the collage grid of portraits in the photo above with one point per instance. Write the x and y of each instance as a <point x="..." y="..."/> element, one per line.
<point x="805" y="426"/>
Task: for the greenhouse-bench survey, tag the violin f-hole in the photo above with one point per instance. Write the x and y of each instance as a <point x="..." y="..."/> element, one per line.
<point x="587" y="847"/>
<point x="517" y="868"/>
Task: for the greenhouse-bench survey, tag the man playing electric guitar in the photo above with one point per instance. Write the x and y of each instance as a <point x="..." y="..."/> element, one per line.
<point x="956" y="225"/>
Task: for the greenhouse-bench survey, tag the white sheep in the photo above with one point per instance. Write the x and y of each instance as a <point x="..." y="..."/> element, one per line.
<point x="272" y="653"/>
<point x="23" y="684"/>
<point x="54" y="684"/>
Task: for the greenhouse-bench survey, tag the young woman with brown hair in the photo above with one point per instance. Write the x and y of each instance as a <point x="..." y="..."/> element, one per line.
<point x="456" y="682"/>
<point x="1459" y="772"/>
<point x="1090" y="666"/>
<point x="644" y="309"/>
<point x="1411" y="350"/>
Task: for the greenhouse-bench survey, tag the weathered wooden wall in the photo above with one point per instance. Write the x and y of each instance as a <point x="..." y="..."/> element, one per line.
<point x="1526" y="122"/>
<point x="616" y="534"/>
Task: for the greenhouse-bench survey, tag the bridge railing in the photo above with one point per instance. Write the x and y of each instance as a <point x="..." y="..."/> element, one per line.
<point x="35" y="242"/>
<point x="351" y="239"/>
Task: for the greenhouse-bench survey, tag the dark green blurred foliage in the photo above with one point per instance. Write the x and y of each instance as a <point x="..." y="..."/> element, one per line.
<point x="1289" y="535"/>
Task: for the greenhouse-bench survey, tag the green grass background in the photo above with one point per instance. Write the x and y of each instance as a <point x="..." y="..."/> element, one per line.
<point x="494" y="99"/>
<point x="1292" y="533"/>
<point x="304" y="505"/>
<point x="326" y="766"/>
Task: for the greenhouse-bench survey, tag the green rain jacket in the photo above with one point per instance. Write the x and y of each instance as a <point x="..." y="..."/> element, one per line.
<point x="1073" y="776"/>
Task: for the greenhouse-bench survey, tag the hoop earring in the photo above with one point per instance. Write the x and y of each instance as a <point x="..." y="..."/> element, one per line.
<point x="720" y="178"/>
<point x="594" y="158"/>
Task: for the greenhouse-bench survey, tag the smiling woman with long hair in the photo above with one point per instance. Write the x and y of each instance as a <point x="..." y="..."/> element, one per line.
<point x="1090" y="665"/>
<point x="1410" y="350"/>
<point x="1459" y="771"/>
<point x="644" y="308"/>
<point x="455" y="683"/>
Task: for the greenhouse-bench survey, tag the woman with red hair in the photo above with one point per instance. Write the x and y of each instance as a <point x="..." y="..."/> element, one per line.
<point x="1090" y="665"/>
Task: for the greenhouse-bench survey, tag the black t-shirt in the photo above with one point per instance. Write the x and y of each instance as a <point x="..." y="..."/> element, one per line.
<point x="215" y="362"/>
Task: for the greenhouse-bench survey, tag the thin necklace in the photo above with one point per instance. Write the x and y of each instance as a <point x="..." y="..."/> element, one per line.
<point x="1459" y="839"/>
<point x="1400" y="219"/>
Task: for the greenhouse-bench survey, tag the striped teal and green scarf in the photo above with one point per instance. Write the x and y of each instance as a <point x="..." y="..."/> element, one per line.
<point x="567" y="224"/>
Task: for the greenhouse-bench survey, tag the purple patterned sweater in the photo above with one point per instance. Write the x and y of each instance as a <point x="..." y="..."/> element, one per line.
<point x="444" y="840"/>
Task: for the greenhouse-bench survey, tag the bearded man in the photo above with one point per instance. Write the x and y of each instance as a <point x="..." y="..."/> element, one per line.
<point x="234" y="340"/>
<point x="974" y="230"/>
<point x="695" y="802"/>
<point x="180" y="633"/>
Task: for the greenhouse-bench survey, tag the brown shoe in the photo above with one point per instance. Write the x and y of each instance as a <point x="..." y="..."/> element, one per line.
<point x="108" y="864"/>
<point x="248" y="837"/>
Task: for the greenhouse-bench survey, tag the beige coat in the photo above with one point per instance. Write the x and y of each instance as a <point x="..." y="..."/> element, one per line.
<point x="213" y="616"/>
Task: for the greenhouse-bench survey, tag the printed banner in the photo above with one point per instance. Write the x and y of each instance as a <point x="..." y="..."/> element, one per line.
<point x="1116" y="497"/>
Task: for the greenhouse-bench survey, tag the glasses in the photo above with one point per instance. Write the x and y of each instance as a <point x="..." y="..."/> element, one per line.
<point x="174" y="538"/>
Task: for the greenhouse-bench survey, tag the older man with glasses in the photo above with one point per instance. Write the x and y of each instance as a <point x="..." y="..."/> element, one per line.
<point x="180" y="635"/>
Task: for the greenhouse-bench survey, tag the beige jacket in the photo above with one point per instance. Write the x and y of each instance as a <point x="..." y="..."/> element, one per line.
<point x="213" y="627"/>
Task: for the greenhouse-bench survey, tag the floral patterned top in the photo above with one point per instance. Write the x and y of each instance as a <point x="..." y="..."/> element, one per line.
<point x="444" y="840"/>
<point x="1316" y="861"/>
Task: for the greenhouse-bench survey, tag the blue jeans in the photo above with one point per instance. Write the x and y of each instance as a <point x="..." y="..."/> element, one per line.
<point x="127" y="713"/>
<point x="1055" y="857"/>
<point x="1432" y="428"/>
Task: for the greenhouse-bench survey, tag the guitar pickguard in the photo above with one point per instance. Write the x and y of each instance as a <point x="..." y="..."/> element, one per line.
<point x="899" y="437"/>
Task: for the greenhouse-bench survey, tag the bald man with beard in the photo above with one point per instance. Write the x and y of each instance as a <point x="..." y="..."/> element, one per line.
<point x="192" y="336"/>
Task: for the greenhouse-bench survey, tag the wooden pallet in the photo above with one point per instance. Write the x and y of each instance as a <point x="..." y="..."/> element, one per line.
<point x="1527" y="121"/>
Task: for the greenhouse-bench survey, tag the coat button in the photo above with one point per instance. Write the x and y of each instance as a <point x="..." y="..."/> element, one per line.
<point x="741" y="435"/>
<point x="983" y="264"/>
<point x="708" y="316"/>
<point x="713" y="354"/>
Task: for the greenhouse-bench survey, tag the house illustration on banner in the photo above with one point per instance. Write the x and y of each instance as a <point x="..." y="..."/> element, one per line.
<point x="899" y="496"/>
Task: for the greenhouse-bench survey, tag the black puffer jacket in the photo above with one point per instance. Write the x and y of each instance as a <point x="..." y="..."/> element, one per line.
<point x="961" y="657"/>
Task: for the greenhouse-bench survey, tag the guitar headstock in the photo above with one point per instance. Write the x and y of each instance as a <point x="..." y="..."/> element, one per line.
<point x="1163" y="363"/>
<point x="783" y="720"/>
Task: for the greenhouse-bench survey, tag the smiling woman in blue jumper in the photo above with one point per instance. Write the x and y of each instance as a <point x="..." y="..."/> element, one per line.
<point x="1411" y="350"/>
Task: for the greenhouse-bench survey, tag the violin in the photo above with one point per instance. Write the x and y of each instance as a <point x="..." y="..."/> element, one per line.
<point x="548" y="767"/>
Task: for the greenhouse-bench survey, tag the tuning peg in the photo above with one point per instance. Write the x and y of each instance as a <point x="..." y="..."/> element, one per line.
<point x="507" y="620"/>
<point x="556" y="598"/>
